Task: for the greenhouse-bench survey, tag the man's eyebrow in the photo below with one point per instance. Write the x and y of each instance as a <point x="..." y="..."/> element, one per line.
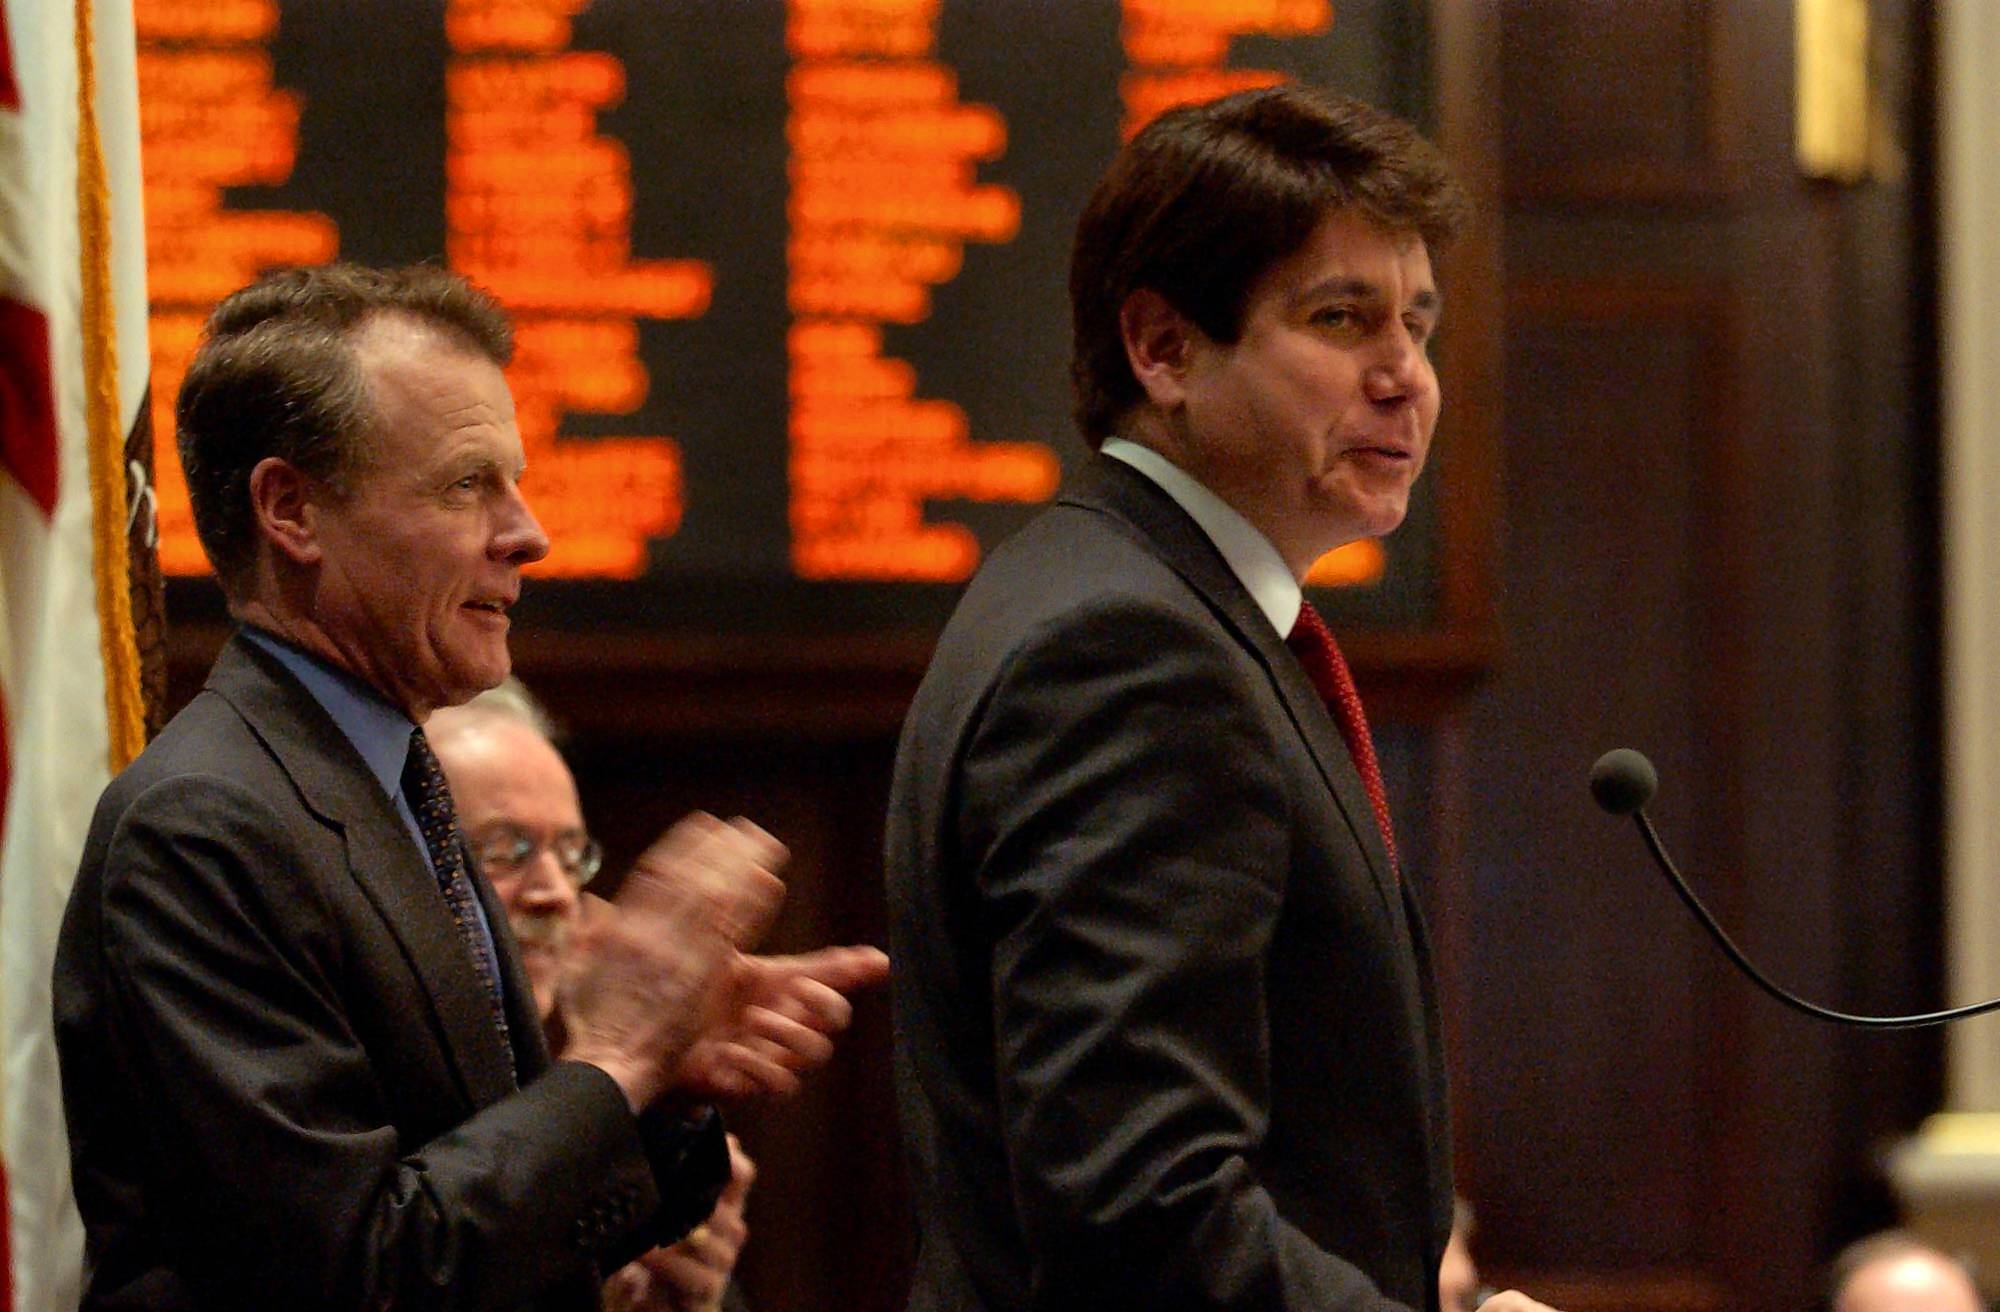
<point x="476" y="462"/>
<point x="1429" y="300"/>
<point x="1341" y="285"/>
<point x="468" y="457"/>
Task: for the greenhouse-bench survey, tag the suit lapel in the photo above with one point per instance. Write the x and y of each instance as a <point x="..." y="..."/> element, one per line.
<point x="1437" y="1095"/>
<point x="1111" y="487"/>
<point x="382" y="857"/>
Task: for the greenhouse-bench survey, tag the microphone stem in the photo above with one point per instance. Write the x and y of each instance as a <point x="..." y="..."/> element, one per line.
<point x="1792" y="1000"/>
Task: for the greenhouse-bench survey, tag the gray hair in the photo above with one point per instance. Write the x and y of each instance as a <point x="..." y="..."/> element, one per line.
<point x="511" y="700"/>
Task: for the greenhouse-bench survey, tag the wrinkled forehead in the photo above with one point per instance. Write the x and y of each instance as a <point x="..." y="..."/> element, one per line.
<point x="426" y="385"/>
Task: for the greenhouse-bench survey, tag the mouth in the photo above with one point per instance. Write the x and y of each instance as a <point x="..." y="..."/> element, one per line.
<point x="540" y="935"/>
<point x="490" y="605"/>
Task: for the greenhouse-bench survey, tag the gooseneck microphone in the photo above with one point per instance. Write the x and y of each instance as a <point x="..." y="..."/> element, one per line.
<point x="1623" y="781"/>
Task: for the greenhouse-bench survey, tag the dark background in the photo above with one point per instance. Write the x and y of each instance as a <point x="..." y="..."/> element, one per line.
<point x="1713" y="382"/>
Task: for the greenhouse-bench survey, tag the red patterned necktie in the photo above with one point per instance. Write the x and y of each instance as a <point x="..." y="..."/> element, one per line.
<point x="430" y="799"/>
<point x="1313" y="644"/>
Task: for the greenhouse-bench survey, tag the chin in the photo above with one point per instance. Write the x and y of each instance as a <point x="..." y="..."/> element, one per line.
<point x="470" y="678"/>
<point x="1383" y="518"/>
<point x="1356" y="528"/>
<point x="493" y="663"/>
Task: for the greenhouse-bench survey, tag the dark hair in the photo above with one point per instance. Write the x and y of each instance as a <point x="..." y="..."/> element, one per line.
<point x="275" y="375"/>
<point x="1207" y="198"/>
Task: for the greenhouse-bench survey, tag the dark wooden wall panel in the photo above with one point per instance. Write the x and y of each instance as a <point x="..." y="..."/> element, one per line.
<point x="1631" y="101"/>
<point x="1586" y="987"/>
<point x="1720" y="512"/>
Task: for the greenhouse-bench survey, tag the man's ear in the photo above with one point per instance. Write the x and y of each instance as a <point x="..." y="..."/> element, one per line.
<point x="1158" y="345"/>
<point x="281" y="502"/>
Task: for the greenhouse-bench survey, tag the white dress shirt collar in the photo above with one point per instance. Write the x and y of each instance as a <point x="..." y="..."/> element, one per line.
<point x="1249" y="554"/>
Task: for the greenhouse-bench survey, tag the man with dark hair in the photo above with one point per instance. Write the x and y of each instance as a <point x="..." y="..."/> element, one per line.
<point x="1166" y="1031"/>
<point x="302" y="1064"/>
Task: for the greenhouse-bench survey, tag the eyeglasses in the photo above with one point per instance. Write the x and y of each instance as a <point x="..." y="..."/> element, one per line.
<point x="505" y="852"/>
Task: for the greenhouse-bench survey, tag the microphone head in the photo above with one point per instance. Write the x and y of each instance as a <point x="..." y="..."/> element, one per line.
<point x="1623" y="781"/>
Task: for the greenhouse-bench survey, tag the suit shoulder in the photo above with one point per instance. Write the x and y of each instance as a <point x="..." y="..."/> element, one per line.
<point x="1078" y="599"/>
<point x="208" y="739"/>
<point x="207" y="779"/>
<point x="1068" y="565"/>
<point x="1079" y="534"/>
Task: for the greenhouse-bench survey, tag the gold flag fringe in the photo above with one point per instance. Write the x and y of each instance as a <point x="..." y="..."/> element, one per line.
<point x="124" y="701"/>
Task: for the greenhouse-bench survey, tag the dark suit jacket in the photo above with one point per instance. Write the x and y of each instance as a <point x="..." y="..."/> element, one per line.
<point x="1165" y="1030"/>
<point x="282" y="1082"/>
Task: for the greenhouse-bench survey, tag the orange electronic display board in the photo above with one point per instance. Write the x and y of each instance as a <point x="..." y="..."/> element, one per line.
<point x="788" y="276"/>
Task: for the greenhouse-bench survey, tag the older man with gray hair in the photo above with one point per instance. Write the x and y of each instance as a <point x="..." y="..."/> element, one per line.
<point x="518" y="802"/>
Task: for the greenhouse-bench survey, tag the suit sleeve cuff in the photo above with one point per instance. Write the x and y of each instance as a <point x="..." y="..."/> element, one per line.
<point x="689" y="1156"/>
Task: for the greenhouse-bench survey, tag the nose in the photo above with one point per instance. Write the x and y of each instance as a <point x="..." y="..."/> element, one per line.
<point x="1395" y="372"/>
<point x="545" y="888"/>
<point x="520" y="539"/>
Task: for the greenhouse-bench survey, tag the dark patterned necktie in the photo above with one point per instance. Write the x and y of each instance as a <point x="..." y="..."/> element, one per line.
<point x="437" y="819"/>
<point x="1313" y="644"/>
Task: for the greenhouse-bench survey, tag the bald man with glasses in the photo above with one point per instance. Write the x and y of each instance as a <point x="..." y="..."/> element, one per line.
<point x="518" y="805"/>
